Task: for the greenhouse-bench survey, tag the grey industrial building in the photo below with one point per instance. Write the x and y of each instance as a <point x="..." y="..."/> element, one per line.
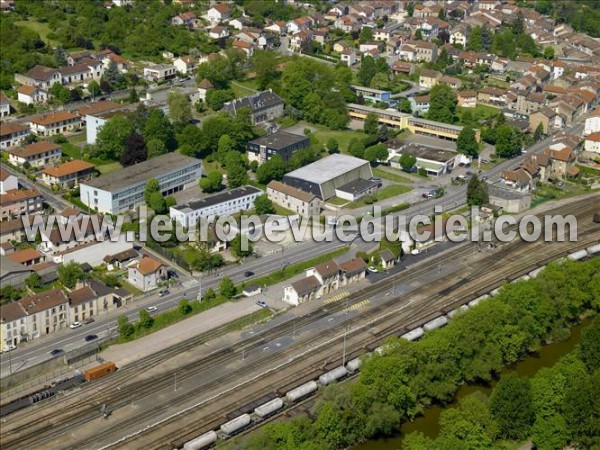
<point x="323" y="177"/>
<point x="279" y="143"/>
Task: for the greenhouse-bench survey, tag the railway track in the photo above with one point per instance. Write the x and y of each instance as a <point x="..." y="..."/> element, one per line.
<point x="42" y="429"/>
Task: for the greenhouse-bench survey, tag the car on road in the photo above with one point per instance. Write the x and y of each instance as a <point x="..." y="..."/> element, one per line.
<point x="75" y="325"/>
<point x="372" y="269"/>
<point x="262" y="304"/>
<point x="469" y="173"/>
<point x="172" y="274"/>
<point x="151" y="308"/>
<point x="248" y="273"/>
<point x="90" y="337"/>
<point x="163" y="292"/>
<point x="416" y="251"/>
<point x="56" y="352"/>
<point x="88" y="321"/>
<point x="484" y="178"/>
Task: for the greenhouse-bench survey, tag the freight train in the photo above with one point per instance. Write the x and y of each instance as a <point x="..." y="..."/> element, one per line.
<point x="50" y="391"/>
<point x="244" y="418"/>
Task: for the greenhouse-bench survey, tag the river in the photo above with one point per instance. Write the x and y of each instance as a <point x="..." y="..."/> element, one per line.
<point x="428" y="423"/>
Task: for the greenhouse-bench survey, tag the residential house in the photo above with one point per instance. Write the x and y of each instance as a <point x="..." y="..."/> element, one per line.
<point x="419" y="104"/>
<point x="39" y="76"/>
<point x="203" y="87"/>
<point x="246" y="47"/>
<point x="53" y="242"/>
<point x="320" y="35"/>
<point x="32" y="95"/>
<point x="264" y="106"/>
<point x="218" y="13"/>
<point x="302" y="291"/>
<point x="528" y="103"/>
<point x="491" y="96"/>
<point x="278" y="27"/>
<point x="187" y="19"/>
<point x="13" y="329"/>
<point x="467" y="99"/>
<point x="38" y="154"/>
<point x="279" y="143"/>
<point x="399" y="67"/>
<point x="453" y="82"/>
<point x="91" y="69"/>
<point x="548" y="118"/>
<point x="366" y="46"/>
<point x="592" y="142"/>
<point x="78" y="57"/>
<point x="348" y="56"/>
<point x="429" y="78"/>
<point x="558" y="68"/>
<point x="329" y="276"/>
<point x="458" y="36"/>
<point x="13" y="229"/>
<point x="69" y="174"/>
<point x="385" y="258"/>
<point x="27" y="257"/>
<point x="120" y="260"/>
<point x="45" y="313"/>
<point x="408" y="52"/>
<point x="185" y="64"/>
<point x="12" y="134"/>
<point x="160" y="72"/>
<point x="562" y="162"/>
<point x="20" y="202"/>
<point x="301" y="23"/>
<point x="4" y="105"/>
<point x="353" y="271"/>
<point x="218" y="32"/>
<point x="54" y="123"/>
<point x="108" y="57"/>
<point x="519" y="180"/>
<point x="239" y="23"/>
<point x="8" y="181"/>
<point x="426" y="51"/>
<point x="294" y="199"/>
<point x="146" y="273"/>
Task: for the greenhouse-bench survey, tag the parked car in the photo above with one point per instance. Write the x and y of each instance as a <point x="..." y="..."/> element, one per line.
<point x="151" y="308"/>
<point x="262" y="304"/>
<point x="416" y="251"/>
<point x="248" y="273"/>
<point x="88" y="321"/>
<point x="56" y="352"/>
<point x="372" y="269"/>
<point x="163" y="292"/>
<point x="90" y="337"/>
<point x="75" y="325"/>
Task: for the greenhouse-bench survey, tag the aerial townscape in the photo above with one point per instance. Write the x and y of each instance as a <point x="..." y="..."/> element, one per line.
<point x="300" y="224"/>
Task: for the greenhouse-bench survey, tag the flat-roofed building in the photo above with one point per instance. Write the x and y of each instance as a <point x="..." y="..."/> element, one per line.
<point x="322" y="177"/>
<point x="38" y="154"/>
<point x="294" y="199"/>
<point x="123" y="190"/>
<point x="434" y="160"/>
<point x="389" y="117"/>
<point x="69" y="174"/>
<point x="436" y="129"/>
<point x="222" y="204"/>
<point x="374" y="95"/>
<point x="279" y="143"/>
<point x="160" y="72"/>
<point x="356" y="189"/>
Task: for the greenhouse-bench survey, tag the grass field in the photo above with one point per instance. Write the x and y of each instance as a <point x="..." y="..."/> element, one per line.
<point x="481" y="112"/>
<point x="391" y="176"/>
<point x="343" y="137"/>
<point x="337" y="201"/>
<point x="386" y="192"/>
<point x="42" y="29"/>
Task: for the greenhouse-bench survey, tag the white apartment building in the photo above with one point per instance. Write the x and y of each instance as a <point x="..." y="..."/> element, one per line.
<point x="123" y="190"/>
<point x="160" y="72"/>
<point x="223" y="204"/>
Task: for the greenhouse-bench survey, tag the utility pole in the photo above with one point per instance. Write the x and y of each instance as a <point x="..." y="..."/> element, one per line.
<point x="200" y="288"/>
<point x="344" y="350"/>
<point x="175" y="381"/>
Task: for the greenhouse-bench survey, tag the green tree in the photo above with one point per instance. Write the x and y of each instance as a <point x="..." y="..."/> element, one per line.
<point x="539" y="132"/>
<point x="263" y="205"/>
<point x="135" y="150"/>
<point x="33" y="281"/>
<point x="158" y="127"/>
<point x="216" y="98"/>
<point x="367" y="70"/>
<point x="184" y="307"/>
<point x="590" y="345"/>
<point x="146" y="320"/>
<point x="94" y="88"/>
<point x="265" y="67"/>
<point x="156" y="147"/>
<point x="582" y="410"/>
<point x="273" y="169"/>
<point x="407" y="162"/>
<point x="125" y="328"/>
<point x="549" y="433"/>
<point x="442" y="104"/>
<point x="227" y="288"/>
<point x="332" y="145"/>
<point x="180" y="109"/>
<point x="549" y="53"/>
<point x="405" y="106"/>
<point x="477" y="192"/>
<point x="69" y="274"/>
<point x="371" y="124"/>
<point x="209" y="295"/>
<point x="419" y="35"/>
<point x="508" y="141"/>
<point x="110" y="141"/>
<point x="467" y="142"/>
<point x="213" y="181"/>
<point x="511" y="406"/>
<point x="410" y="8"/>
<point x="236" y="247"/>
<point x="157" y="203"/>
<point x="151" y="187"/>
<point x="366" y="35"/>
<point x="356" y="148"/>
<point x="475" y="41"/>
<point x="60" y="94"/>
<point x="133" y="96"/>
<point x="378" y="152"/>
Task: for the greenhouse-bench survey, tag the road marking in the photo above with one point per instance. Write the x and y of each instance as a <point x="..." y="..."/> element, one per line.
<point x="358" y="306"/>
<point x="336" y="297"/>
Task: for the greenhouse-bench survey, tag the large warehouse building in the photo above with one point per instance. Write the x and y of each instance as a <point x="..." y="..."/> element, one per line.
<point x="322" y="177"/>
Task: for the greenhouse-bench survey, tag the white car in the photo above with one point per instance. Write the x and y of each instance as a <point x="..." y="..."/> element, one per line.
<point x="415" y="251"/>
<point x="373" y="269"/>
<point x="151" y="308"/>
<point x="74" y="325"/>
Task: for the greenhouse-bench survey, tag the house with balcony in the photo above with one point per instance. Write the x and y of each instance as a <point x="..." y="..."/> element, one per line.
<point x="12" y="134"/>
<point x="20" y="202"/>
<point x="51" y="124"/>
<point x="38" y="154"/>
<point x="68" y="175"/>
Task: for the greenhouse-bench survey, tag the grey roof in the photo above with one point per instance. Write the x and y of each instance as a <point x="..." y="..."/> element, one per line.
<point x="195" y="205"/>
<point x="7" y="266"/>
<point x="306" y="285"/>
<point x="255" y="102"/>
<point x="327" y="168"/>
<point x="430" y="153"/>
<point x="142" y="172"/>
<point x="506" y="194"/>
<point x="279" y="140"/>
<point x="417" y="121"/>
<point x="357" y="186"/>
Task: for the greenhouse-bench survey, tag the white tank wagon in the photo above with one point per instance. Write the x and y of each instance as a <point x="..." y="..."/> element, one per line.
<point x="478" y="300"/>
<point x="534" y="273"/>
<point x="578" y="256"/>
<point x="202" y="441"/>
<point x="269" y="408"/>
<point x="435" y="323"/>
<point x="593" y="250"/>
<point x="353" y="365"/>
<point x="459" y="310"/>
<point x="333" y="375"/>
<point x="301" y="391"/>
<point x="235" y="425"/>
<point x="413" y="335"/>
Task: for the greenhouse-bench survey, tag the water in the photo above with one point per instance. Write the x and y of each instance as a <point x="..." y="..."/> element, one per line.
<point x="428" y="423"/>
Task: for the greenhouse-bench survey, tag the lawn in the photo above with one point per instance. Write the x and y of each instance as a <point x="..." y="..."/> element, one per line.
<point x="386" y="175"/>
<point x="480" y="112"/>
<point x="337" y="201"/>
<point x="71" y="150"/>
<point x="109" y="167"/>
<point x="343" y="137"/>
<point x="42" y="29"/>
<point x="387" y="192"/>
<point x="283" y="211"/>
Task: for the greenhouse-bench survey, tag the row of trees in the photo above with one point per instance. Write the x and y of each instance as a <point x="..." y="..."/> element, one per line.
<point x="473" y="347"/>
<point x="558" y="406"/>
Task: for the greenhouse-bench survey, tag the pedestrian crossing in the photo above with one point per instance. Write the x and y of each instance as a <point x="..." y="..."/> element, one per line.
<point x="190" y="283"/>
<point x="336" y="298"/>
<point x="358" y="306"/>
